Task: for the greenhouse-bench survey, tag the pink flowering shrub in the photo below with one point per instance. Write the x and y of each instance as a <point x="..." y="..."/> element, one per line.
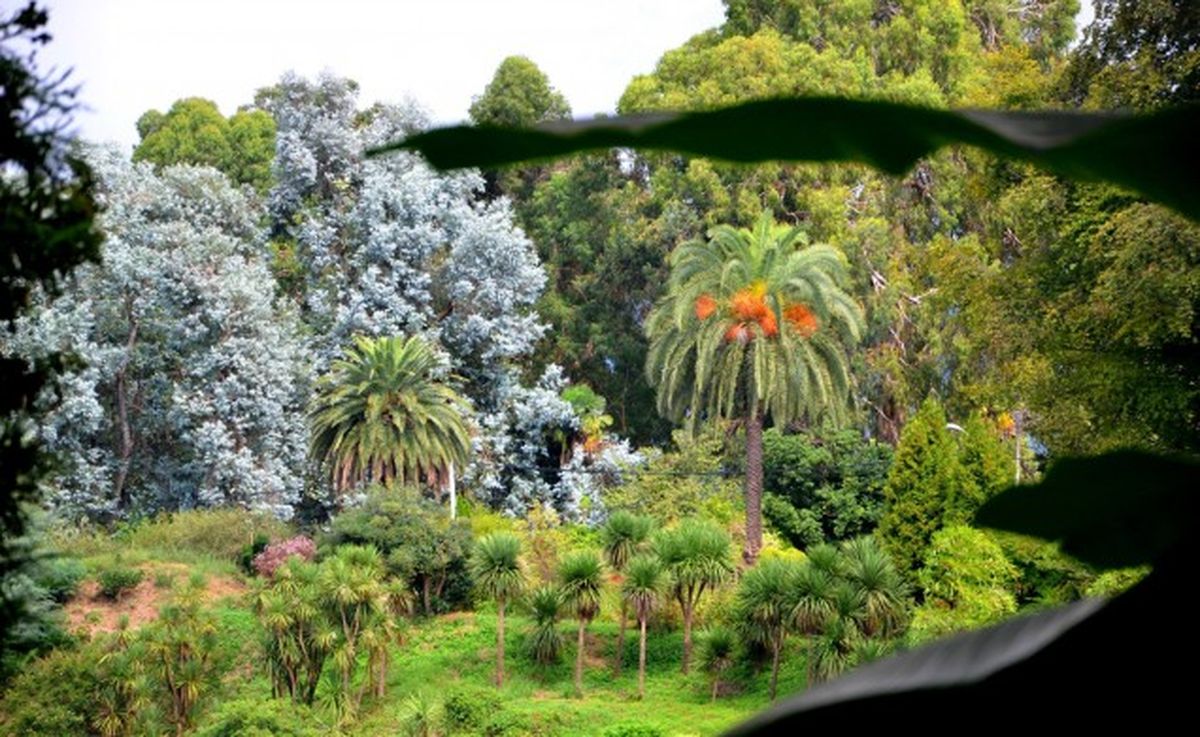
<point x="277" y="553"/>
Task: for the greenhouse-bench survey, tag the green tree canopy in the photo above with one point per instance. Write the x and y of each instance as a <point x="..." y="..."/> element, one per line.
<point x="194" y="131"/>
<point x="519" y="95"/>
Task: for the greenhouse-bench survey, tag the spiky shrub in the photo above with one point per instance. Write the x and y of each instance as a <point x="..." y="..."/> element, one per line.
<point x="581" y="579"/>
<point x="812" y="608"/>
<point x="842" y="635"/>
<point x="764" y="605"/>
<point x="871" y="571"/>
<point x="298" y="632"/>
<point x="623" y="536"/>
<point x="544" y="643"/>
<point x="642" y="591"/>
<point x="718" y="648"/>
<point x="496" y="568"/>
<point x="696" y="557"/>
<point x="117" y="580"/>
<point x="181" y="648"/>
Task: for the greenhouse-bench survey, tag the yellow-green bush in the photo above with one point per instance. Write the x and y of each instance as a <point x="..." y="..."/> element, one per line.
<point x="221" y="533"/>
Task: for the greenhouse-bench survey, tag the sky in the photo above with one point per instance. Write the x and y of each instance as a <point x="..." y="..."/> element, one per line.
<point x="134" y="55"/>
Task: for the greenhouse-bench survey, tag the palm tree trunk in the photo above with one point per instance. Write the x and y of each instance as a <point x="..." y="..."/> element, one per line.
<point x="754" y="487"/>
<point x="620" y="645"/>
<point x="642" y="659"/>
<point x="808" y="664"/>
<point x="775" y="647"/>
<point x="687" y="639"/>
<point x="500" y="646"/>
<point x="579" y="661"/>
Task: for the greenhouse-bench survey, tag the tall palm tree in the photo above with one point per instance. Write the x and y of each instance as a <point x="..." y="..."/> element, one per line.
<point x="581" y="577"/>
<point x="753" y="328"/>
<point x="696" y="557"/>
<point x="624" y="535"/>
<point x="496" y="568"/>
<point x="382" y="415"/>
<point x="765" y="604"/>
<point x="642" y="590"/>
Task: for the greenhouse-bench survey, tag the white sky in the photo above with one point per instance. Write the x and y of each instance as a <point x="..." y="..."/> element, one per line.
<point x="133" y="55"/>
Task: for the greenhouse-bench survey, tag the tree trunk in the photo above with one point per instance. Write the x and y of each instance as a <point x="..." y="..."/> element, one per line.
<point x="754" y="487"/>
<point x="425" y="598"/>
<point x="500" y="646"/>
<point x="124" y="427"/>
<point x="620" y="644"/>
<point x="775" y="647"/>
<point x="453" y="493"/>
<point x="687" y="638"/>
<point x="716" y="682"/>
<point x="808" y="664"/>
<point x="579" y="660"/>
<point x="642" y="659"/>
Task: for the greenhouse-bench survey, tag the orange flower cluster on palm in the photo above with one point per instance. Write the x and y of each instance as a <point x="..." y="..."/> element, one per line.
<point x="749" y="306"/>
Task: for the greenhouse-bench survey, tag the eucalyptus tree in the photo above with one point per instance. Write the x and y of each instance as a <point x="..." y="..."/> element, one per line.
<point x="764" y="606"/>
<point x="385" y="413"/>
<point x="642" y="589"/>
<point x="496" y="568"/>
<point x="753" y="328"/>
<point x="696" y="556"/>
<point x="624" y="535"/>
<point x="190" y="391"/>
<point x="581" y="578"/>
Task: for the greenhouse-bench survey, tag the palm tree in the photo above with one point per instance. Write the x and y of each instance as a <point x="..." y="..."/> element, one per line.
<point x="382" y="415"/>
<point x="872" y="572"/>
<point x="812" y="608"/>
<point x="544" y="642"/>
<point x="717" y="648"/>
<point x="696" y="557"/>
<point x="624" y="535"/>
<point x="753" y="328"/>
<point x="842" y="635"/>
<point x="765" y="604"/>
<point x="642" y="590"/>
<point x="581" y="576"/>
<point x="496" y="568"/>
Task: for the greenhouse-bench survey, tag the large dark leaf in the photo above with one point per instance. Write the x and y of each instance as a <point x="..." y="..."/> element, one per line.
<point x="1072" y="668"/>
<point x="1114" y="510"/>
<point x="1153" y="154"/>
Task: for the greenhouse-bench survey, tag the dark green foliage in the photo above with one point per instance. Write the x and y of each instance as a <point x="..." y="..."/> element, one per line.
<point x="1048" y="577"/>
<point x="764" y="609"/>
<point x="1140" y="54"/>
<point x="419" y="543"/>
<point x="467" y="710"/>
<point x="46" y="229"/>
<point x="833" y="480"/>
<point x="253" y="548"/>
<point x="118" y="579"/>
<point x="260" y="718"/>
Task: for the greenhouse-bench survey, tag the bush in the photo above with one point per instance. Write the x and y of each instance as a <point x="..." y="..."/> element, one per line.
<point x="260" y="718"/>
<point x="968" y="583"/>
<point x="60" y="577"/>
<point x="220" y="533"/>
<point x="507" y="724"/>
<point x="419" y="543"/>
<point x="277" y="553"/>
<point x="634" y="729"/>
<point x="466" y="711"/>
<point x="117" y="580"/>
<point x="53" y="695"/>
<point x="251" y="551"/>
